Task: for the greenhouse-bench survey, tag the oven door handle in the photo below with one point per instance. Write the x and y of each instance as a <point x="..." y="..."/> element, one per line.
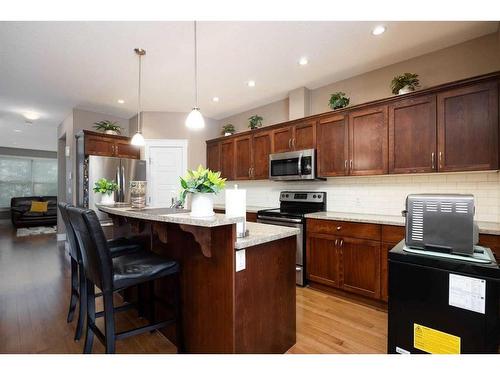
<point x="279" y="219"/>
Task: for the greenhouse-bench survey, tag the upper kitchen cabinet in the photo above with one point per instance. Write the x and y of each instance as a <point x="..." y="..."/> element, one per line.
<point x="297" y="137"/>
<point x="213" y="156"/>
<point x="368" y="141"/>
<point x="468" y="128"/>
<point x="412" y="135"/>
<point x="227" y="158"/>
<point x="243" y="158"/>
<point x="282" y="139"/>
<point x="261" y="148"/>
<point x="332" y="146"/>
<point x="107" y="145"/>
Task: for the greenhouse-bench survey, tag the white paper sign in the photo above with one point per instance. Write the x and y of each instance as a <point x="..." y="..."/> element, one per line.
<point x="467" y="293"/>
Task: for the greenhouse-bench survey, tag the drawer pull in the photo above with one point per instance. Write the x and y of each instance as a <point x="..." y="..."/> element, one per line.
<point x="339" y="227"/>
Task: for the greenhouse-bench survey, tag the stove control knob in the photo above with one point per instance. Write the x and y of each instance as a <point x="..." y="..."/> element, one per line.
<point x="319" y="196"/>
<point x="314" y="196"/>
<point x="286" y="195"/>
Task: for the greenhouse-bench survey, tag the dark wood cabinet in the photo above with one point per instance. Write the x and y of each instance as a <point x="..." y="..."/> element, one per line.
<point x="108" y="145"/>
<point x="282" y="139"/>
<point x="360" y="266"/>
<point x="468" y="128"/>
<point x="413" y="135"/>
<point x="243" y="157"/>
<point x="261" y="148"/>
<point x="332" y="146"/>
<point x="213" y="156"/>
<point x="227" y="159"/>
<point x="304" y="135"/>
<point x="322" y="259"/>
<point x="368" y="141"/>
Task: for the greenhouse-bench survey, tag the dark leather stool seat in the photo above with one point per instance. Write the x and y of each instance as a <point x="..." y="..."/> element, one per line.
<point x="117" y="247"/>
<point x="141" y="267"/>
<point x="113" y="274"/>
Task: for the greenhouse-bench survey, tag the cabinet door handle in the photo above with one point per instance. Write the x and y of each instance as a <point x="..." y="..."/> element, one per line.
<point x="341" y="243"/>
<point x="350" y="164"/>
<point x="252" y="172"/>
<point x="290" y="143"/>
<point x="293" y="142"/>
<point x="440" y="159"/>
<point x="336" y="242"/>
<point x="345" y="166"/>
<point x="433" y="157"/>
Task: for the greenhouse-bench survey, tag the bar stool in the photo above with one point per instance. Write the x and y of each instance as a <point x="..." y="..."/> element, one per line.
<point x="117" y="247"/>
<point x="114" y="274"/>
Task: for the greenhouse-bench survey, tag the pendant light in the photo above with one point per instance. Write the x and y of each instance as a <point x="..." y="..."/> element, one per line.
<point x="138" y="139"/>
<point x="195" y="118"/>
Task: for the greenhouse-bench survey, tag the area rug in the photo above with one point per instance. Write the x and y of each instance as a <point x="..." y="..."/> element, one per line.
<point x="35" y="231"/>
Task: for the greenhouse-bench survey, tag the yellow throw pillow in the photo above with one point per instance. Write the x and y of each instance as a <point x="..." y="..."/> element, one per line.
<point x="39" y="206"/>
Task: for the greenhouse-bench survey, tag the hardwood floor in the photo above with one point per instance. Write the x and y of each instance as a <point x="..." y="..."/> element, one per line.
<point x="34" y="292"/>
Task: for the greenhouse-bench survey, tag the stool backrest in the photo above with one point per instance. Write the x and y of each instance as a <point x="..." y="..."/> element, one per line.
<point x="96" y="256"/>
<point x="74" y="250"/>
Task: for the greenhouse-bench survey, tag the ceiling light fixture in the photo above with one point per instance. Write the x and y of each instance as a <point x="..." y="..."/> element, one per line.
<point x="251" y="83"/>
<point x="380" y="29"/>
<point x="138" y="139"/>
<point x="195" y="118"/>
<point x="32" y="116"/>
<point x="17" y="130"/>
<point x="120" y="101"/>
<point x="215" y="99"/>
<point x="303" y="61"/>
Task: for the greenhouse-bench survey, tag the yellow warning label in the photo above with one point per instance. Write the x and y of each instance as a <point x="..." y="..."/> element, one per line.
<point x="433" y="341"/>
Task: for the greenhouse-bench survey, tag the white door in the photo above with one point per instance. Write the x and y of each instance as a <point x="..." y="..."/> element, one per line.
<point x="167" y="161"/>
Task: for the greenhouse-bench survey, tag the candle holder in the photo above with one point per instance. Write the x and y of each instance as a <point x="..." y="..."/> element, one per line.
<point x="138" y="194"/>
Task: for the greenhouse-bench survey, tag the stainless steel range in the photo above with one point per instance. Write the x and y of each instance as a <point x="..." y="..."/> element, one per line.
<point x="294" y="205"/>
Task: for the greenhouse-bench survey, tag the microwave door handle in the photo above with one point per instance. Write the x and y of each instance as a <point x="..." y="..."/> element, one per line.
<point x="299" y="164"/>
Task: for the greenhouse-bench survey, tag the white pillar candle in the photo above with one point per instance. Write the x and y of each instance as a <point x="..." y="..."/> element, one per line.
<point x="236" y="206"/>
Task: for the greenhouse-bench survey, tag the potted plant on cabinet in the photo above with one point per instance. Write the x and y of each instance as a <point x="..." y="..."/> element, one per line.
<point x="228" y="129"/>
<point x="255" y="122"/>
<point x="203" y="184"/>
<point x="106" y="189"/>
<point x="108" y="127"/>
<point x="405" y="83"/>
<point x="338" y="100"/>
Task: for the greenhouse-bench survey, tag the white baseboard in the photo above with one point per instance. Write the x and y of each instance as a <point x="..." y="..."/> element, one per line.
<point x="61" y="236"/>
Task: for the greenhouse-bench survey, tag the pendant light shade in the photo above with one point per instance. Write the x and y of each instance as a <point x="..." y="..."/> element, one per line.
<point x="195" y="118"/>
<point x="138" y="139"/>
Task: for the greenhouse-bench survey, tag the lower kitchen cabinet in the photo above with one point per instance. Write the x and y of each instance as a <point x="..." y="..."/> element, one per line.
<point x="322" y="259"/>
<point x="360" y="266"/>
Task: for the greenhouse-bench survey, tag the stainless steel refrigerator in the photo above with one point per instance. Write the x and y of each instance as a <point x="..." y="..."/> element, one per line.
<point x="120" y="170"/>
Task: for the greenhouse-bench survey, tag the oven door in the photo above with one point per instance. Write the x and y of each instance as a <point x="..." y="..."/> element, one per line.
<point x="296" y="165"/>
<point x="299" y="254"/>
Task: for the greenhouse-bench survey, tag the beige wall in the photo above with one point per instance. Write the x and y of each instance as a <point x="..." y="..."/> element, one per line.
<point x="170" y="125"/>
<point x="471" y="58"/>
<point x="272" y="113"/>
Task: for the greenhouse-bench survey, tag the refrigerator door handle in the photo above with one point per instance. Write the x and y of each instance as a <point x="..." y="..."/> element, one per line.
<point x="122" y="198"/>
<point x="119" y="183"/>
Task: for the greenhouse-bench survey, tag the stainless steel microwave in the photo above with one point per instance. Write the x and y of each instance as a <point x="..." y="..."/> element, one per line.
<point x="292" y="166"/>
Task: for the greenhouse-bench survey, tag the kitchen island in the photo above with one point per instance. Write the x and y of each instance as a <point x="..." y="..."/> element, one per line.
<point x="228" y="306"/>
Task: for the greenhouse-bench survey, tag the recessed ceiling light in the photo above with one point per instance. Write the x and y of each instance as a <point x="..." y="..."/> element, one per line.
<point x="380" y="29"/>
<point x="303" y="61"/>
<point x="17" y="130"/>
<point x="251" y="83"/>
<point x="120" y="101"/>
<point x="31" y="116"/>
<point x="215" y="99"/>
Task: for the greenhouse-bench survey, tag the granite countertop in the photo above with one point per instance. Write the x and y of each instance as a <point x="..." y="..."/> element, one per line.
<point x="262" y="233"/>
<point x="252" y="209"/>
<point x="169" y="215"/>
<point x="485" y="227"/>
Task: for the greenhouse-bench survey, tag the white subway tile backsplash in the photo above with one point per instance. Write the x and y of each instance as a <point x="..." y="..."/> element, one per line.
<point x="384" y="194"/>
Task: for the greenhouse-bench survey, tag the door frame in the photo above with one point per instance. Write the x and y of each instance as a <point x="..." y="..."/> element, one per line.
<point x="149" y="143"/>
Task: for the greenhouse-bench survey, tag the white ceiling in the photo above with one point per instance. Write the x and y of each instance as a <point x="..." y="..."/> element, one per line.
<point x="51" y="67"/>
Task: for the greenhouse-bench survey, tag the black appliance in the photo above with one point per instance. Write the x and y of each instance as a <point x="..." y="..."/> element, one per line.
<point x="294" y="205"/>
<point x="440" y="304"/>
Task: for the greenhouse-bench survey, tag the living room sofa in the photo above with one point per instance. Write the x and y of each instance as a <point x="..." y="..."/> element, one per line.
<point x="22" y="216"/>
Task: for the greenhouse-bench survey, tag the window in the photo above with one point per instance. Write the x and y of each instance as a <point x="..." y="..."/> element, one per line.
<point x="21" y="177"/>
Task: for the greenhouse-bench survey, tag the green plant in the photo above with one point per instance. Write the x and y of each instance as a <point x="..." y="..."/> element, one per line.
<point x="228" y="128"/>
<point x="105" y="125"/>
<point x="407" y="79"/>
<point x="338" y="100"/>
<point x="201" y="180"/>
<point x="255" y="121"/>
<point x="104" y="186"/>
